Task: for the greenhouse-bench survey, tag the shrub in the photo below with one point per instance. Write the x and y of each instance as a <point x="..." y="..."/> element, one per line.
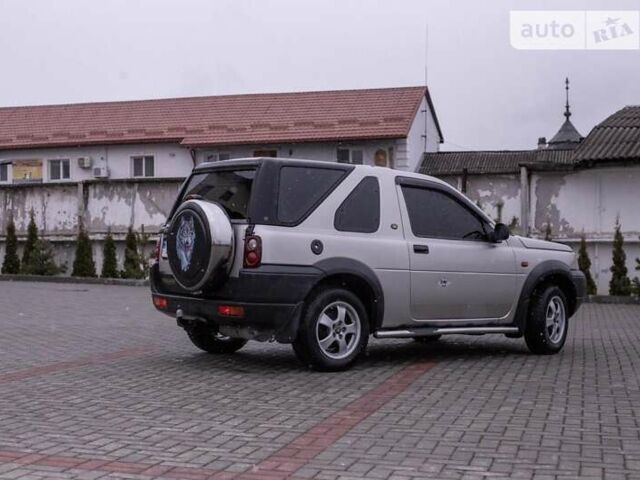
<point x="584" y="264"/>
<point x="620" y="283"/>
<point x="514" y="226"/>
<point x="83" y="265"/>
<point x="11" y="262"/>
<point x="40" y="260"/>
<point x="109" y="260"/>
<point x="548" y="233"/>
<point x="132" y="265"/>
<point x="32" y="239"/>
<point x="636" y="280"/>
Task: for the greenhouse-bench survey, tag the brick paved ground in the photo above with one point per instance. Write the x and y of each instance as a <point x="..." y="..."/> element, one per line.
<point x="95" y="384"/>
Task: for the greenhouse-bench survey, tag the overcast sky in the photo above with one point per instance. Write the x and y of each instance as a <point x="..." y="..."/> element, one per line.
<point x="487" y="95"/>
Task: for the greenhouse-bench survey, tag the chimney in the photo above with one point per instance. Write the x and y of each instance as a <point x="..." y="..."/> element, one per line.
<point x="542" y="143"/>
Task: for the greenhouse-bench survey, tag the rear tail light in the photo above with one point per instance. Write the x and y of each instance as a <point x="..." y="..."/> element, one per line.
<point x="160" y="302"/>
<point x="252" y="251"/>
<point x="230" y="311"/>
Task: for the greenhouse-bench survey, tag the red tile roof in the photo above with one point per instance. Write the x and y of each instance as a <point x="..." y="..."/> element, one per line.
<point x="221" y="120"/>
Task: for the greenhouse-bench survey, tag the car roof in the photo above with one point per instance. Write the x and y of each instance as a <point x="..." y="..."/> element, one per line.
<point x="255" y="161"/>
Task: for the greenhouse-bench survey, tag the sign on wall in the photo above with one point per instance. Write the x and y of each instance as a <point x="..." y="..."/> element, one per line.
<point x="27" y="171"/>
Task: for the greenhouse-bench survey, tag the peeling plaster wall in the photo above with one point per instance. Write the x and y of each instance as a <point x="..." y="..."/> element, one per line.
<point x="493" y="190"/>
<point x="490" y="191"/>
<point x="102" y="205"/>
<point x="587" y="200"/>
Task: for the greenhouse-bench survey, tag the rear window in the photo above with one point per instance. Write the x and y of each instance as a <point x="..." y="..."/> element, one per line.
<point x="230" y="188"/>
<point x="301" y="189"/>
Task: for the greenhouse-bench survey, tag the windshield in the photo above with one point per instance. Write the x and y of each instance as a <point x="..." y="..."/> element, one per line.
<point x="229" y="188"/>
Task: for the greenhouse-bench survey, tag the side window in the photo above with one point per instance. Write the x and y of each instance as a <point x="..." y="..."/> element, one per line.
<point x="360" y="211"/>
<point x="433" y="213"/>
<point x="302" y="188"/>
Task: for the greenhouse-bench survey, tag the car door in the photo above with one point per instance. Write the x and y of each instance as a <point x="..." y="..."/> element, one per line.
<point x="456" y="273"/>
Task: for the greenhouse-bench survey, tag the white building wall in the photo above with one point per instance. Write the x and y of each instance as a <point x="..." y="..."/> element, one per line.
<point x="326" y="151"/>
<point x="423" y="137"/>
<point x="171" y="160"/>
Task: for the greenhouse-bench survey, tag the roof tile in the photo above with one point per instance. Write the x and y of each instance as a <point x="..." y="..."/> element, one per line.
<point x="218" y="120"/>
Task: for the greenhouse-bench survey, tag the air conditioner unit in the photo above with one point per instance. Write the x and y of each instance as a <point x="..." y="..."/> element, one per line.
<point x="85" y="162"/>
<point x="101" y="172"/>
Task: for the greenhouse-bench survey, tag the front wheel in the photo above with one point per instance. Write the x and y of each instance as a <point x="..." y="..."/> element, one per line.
<point x="213" y="342"/>
<point x="333" y="332"/>
<point x="548" y="322"/>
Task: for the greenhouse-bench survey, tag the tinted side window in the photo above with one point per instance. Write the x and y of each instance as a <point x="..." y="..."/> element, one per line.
<point x="360" y="211"/>
<point x="433" y="213"/>
<point x="302" y="188"/>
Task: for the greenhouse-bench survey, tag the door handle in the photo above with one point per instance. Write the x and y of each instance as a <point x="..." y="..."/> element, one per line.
<point x="421" y="249"/>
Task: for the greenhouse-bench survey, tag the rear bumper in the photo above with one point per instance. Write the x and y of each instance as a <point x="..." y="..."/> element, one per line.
<point x="580" y="284"/>
<point x="271" y="298"/>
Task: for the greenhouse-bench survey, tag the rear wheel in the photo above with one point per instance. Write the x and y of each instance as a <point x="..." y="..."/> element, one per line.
<point x="333" y="332"/>
<point x="548" y="321"/>
<point x="213" y="342"/>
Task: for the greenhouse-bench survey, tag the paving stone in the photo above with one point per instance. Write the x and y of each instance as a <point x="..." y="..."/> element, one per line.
<point x="95" y="384"/>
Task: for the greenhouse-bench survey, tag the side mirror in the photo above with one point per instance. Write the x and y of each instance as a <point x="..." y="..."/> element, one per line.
<point x="500" y="233"/>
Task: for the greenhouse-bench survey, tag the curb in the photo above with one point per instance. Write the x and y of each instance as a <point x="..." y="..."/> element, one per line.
<point x="129" y="282"/>
<point x="613" y="300"/>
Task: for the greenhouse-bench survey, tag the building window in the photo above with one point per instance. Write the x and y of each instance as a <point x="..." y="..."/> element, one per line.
<point x="347" y="155"/>
<point x="4" y="172"/>
<point x="265" y="153"/>
<point x="143" y="166"/>
<point x="216" y="157"/>
<point x="59" y="169"/>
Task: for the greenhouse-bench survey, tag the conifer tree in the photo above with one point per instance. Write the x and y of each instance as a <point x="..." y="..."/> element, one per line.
<point x="83" y="265"/>
<point x="584" y="264"/>
<point x="11" y="262"/>
<point x="620" y="283"/>
<point x="32" y="240"/>
<point x="109" y="260"/>
<point x="131" y="257"/>
<point x="41" y="260"/>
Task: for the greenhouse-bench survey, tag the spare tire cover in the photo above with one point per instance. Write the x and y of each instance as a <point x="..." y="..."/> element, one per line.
<point x="199" y="244"/>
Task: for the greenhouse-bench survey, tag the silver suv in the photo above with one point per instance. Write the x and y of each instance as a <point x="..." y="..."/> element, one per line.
<point x="323" y="255"/>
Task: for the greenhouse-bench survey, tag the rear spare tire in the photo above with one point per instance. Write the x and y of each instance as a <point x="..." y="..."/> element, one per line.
<point x="200" y="243"/>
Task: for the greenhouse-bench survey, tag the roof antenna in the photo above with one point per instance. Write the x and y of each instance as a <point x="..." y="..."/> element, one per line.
<point x="426" y="53"/>
<point x="567" y="112"/>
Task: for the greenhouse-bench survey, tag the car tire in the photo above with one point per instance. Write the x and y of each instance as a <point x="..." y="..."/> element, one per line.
<point x="333" y="332"/>
<point x="212" y="342"/>
<point x="428" y="339"/>
<point x="548" y="321"/>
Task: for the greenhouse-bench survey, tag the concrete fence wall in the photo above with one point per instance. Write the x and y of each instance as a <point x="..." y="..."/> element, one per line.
<point x="102" y="205"/>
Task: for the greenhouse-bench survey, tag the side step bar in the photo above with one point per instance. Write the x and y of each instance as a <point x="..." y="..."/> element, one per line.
<point x="426" y="332"/>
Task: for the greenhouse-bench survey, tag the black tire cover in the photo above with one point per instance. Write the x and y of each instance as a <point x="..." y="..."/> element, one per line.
<point x="189" y="246"/>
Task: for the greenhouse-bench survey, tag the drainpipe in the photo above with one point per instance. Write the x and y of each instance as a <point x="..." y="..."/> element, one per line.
<point x="192" y="152"/>
<point x="524" y="200"/>
<point x="465" y="179"/>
